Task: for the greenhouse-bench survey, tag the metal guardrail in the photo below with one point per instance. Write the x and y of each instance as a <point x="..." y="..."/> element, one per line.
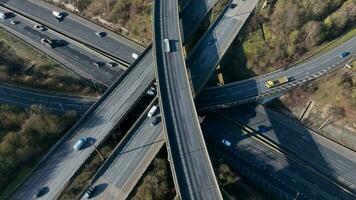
<point x="274" y="91"/>
<point x="75" y="38"/>
<point x="84" y="117"/>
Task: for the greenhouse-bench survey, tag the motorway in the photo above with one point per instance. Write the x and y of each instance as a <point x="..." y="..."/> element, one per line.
<point x="265" y="165"/>
<point x="77" y="28"/>
<point x="192" y="20"/>
<point x="206" y="55"/>
<point x="203" y="101"/>
<point x="73" y="55"/>
<point x="254" y="88"/>
<point x="15" y="95"/>
<point x="61" y="163"/>
<point x="134" y="154"/>
<point x="185" y="143"/>
<point x="111" y="109"/>
<point x="124" y="168"/>
<point x="327" y="157"/>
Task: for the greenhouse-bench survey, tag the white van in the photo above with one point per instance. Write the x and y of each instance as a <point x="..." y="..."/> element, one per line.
<point x="79" y="143"/>
<point x="57" y="14"/>
<point x="152" y="111"/>
<point x="167" y="47"/>
<point x="134" y="55"/>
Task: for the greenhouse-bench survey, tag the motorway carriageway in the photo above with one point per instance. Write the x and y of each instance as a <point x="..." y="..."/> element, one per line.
<point x="255" y="88"/>
<point x="62" y="162"/>
<point x="77" y="28"/>
<point x="71" y="54"/>
<point x="330" y="159"/>
<point x="265" y="165"/>
<point x="21" y="99"/>
<point x="185" y="144"/>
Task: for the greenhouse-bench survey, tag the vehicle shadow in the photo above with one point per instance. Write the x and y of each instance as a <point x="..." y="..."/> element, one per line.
<point x="99" y="189"/>
<point x="300" y="155"/>
<point x="89" y="143"/>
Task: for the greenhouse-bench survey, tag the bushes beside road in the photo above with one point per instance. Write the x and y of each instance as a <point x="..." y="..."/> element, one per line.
<point x="289" y="29"/>
<point x="23" y="65"/>
<point x="25" y="136"/>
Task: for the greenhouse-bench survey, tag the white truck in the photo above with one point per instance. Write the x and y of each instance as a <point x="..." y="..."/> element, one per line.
<point x="152" y="111"/>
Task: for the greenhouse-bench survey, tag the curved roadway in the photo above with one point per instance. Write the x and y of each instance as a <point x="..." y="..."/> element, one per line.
<point x="255" y="88"/>
<point x="190" y="163"/>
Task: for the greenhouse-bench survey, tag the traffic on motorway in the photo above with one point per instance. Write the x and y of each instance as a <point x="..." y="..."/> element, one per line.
<point x="176" y="101"/>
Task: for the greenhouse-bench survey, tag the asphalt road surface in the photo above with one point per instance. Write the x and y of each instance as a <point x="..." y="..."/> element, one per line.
<point x="73" y="55"/>
<point x="254" y="88"/>
<point x="77" y="27"/>
<point x="192" y="20"/>
<point x="203" y="59"/>
<point x="325" y="156"/>
<point x="119" y="175"/>
<point x="134" y="155"/>
<point x="264" y="164"/>
<point x="61" y="163"/>
<point x="15" y="95"/>
<point x="184" y="138"/>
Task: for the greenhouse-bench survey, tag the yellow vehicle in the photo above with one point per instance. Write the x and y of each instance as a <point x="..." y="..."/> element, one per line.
<point x="277" y="82"/>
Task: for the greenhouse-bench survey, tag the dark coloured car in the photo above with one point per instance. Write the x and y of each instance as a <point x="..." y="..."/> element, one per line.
<point x="344" y="54"/>
<point x="155" y="121"/>
<point x="100" y="34"/>
<point x="262" y="129"/>
<point x="42" y="191"/>
<point x="233" y="5"/>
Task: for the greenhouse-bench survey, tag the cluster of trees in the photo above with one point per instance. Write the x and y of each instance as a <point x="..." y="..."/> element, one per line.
<point x="292" y="27"/>
<point x="157" y="184"/>
<point x="134" y="15"/>
<point x="26" y="134"/>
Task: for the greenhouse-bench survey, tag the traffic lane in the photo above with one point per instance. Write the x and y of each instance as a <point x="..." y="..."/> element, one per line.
<point x="256" y="86"/>
<point x="97" y="124"/>
<point x="326" y="156"/>
<point x="266" y="164"/>
<point x="260" y="155"/>
<point x="77" y="26"/>
<point x="192" y="20"/>
<point x="80" y="56"/>
<point x="130" y="162"/>
<point x="230" y="95"/>
<point x="209" y="50"/>
<point x="25" y="97"/>
<point x="174" y="92"/>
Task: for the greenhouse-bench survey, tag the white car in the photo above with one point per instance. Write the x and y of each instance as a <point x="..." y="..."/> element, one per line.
<point x="14" y="22"/>
<point x="134" y="55"/>
<point x="152" y="111"/>
<point x="79" y="144"/>
<point x="226" y="142"/>
<point x="150" y="92"/>
<point x="39" y="27"/>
